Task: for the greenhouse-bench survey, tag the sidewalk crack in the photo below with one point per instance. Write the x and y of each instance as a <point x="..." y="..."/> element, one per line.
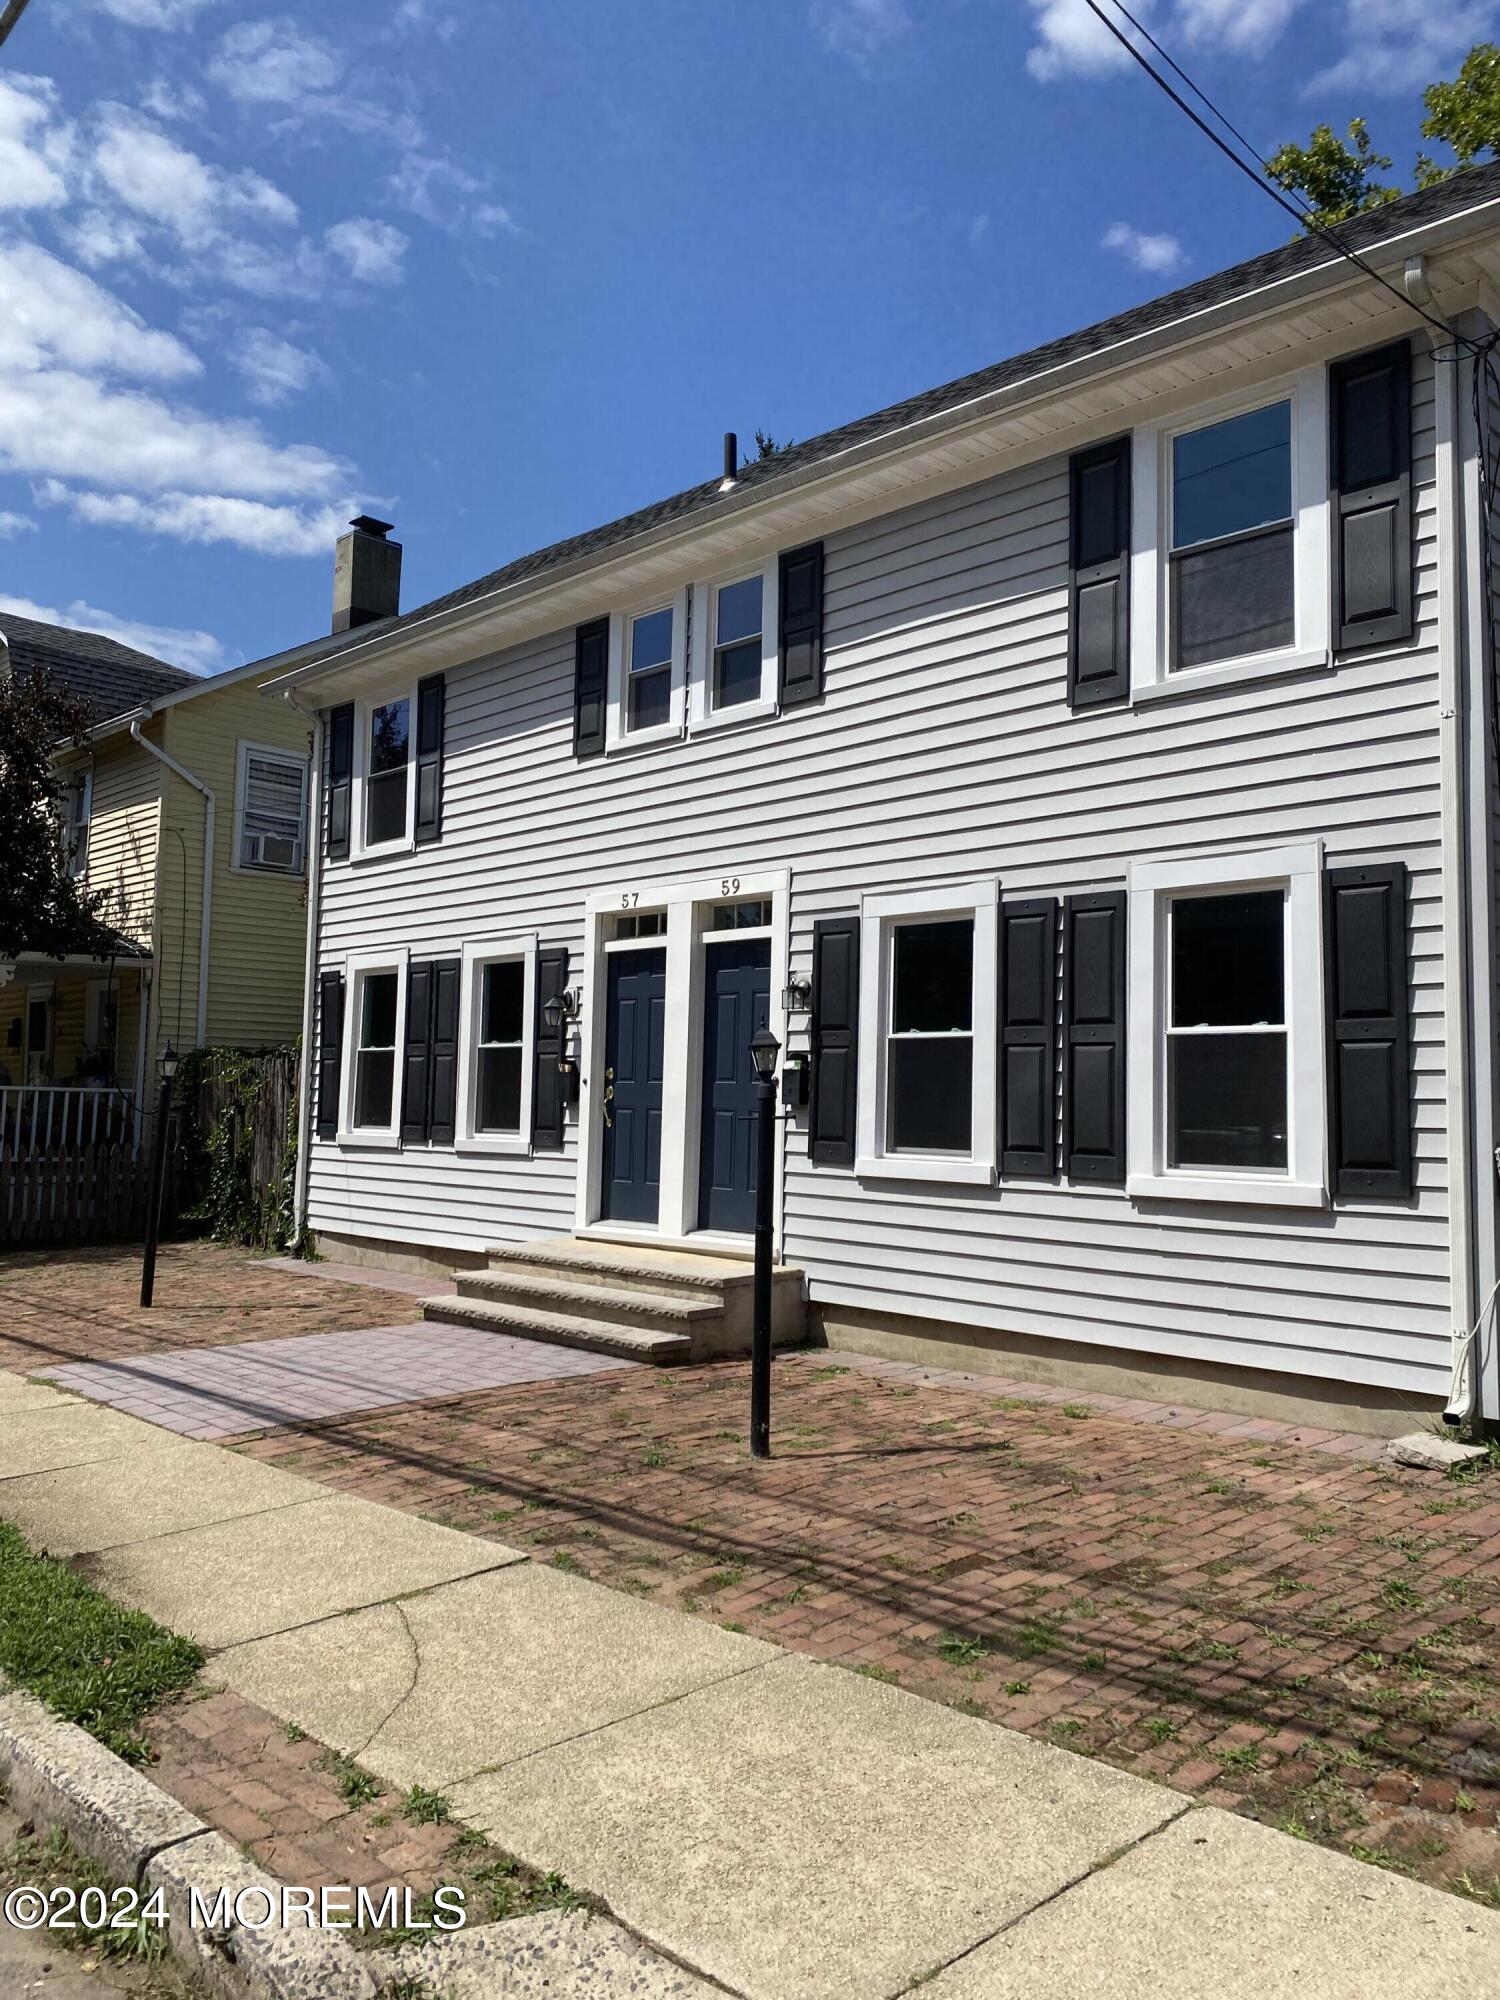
<point x="411" y="1686"/>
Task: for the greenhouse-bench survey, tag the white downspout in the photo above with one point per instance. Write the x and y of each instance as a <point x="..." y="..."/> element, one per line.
<point x="1453" y="788"/>
<point x="208" y="864"/>
<point x="309" y="971"/>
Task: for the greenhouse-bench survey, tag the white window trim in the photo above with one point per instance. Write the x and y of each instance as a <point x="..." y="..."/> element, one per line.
<point x="361" y="849"/>
<point x="93" y="1007"/>
<point x="80" y="825"/>
<point x="468" y="1139"/>
<point x="701" y="712"/>
<point x="879" y="916"/>
<point x="618" y="735"/>
<point x="356" y="967"/>
<point x="1299" y="871"/>
<point x="244" y="752"/>
<point x="1151" y="474"/>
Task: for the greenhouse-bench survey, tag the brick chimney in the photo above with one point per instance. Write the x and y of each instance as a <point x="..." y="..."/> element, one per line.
<point x="366" y="574"/>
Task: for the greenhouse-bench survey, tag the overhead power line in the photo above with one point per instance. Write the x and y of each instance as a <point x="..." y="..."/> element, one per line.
<point x="11" y="13"/>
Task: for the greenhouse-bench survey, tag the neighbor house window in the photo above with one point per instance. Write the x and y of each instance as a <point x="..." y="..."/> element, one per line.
<point x="1224" y="966"/>
<point x="271" y="791"/>
<point x="927" y="1091"/>
<point x="80" y="807"/>
<point x="387" y="771"/>
<point x="1229" y="572"/>
<point x="496" y="1040"/>
<point x="374" y="1027"/>
<point x="1233" y="586"/>
<point x="734" y="647"/>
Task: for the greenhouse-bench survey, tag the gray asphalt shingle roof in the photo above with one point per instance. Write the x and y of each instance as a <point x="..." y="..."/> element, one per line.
<point x="108" y="677"/>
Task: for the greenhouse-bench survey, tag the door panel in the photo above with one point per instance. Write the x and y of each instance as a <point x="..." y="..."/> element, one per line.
<point x="736" y="1001"/>
<point x="634" y="1051"/>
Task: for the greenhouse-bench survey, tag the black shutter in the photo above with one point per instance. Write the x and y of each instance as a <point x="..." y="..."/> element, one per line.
<point x="548" y="1097"/>
<point x="1028" y="1037"/>
<point x="1094" y="1032"/>
<point x="1099" y="574"/>
<point x="800" y="601"/>
<point x="340" y="778"/>
<point x="442" y="1080"/>
<point x="1370" y="473"/>
<point x="430" y="707"/>
<point x="1369" y="1031"/>
<point x="590" y="687"/>
<point x="835" y="1042"/>
<point x="416" y="1065"/>
<point x="330" y="1051"/>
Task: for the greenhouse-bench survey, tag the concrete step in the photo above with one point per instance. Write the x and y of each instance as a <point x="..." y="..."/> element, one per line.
<point x="558" y="1329"/>
<point x="649" y="1311"/>
<point x="620" y="1267"/>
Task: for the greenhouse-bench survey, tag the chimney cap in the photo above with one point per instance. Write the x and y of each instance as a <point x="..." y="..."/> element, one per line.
<point x="367" y="524"/>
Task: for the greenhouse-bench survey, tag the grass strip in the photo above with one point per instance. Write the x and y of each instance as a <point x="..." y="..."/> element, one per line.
<point x="90" y="1660"/>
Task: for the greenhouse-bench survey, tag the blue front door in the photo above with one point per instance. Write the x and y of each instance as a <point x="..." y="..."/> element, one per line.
<point x="737" y="1001"/>
<point x="634" y="1043"/>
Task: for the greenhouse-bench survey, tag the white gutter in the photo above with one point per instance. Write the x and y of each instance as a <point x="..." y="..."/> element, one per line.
<point x="206" y="916"/>
<point x="1453" y="789"/>
<point x="309" y="971"/>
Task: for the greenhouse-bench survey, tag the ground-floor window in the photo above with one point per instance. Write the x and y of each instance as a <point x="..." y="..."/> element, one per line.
<point x="1225" y="966"/>
<point x="927" y="1093"/>
<point x="496" y="1043"/>
<point x="376" y="1016"/>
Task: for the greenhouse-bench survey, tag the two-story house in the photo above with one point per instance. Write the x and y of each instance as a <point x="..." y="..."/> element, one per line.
<point x="1088" y="770"/>
<point x="186" y="804"/>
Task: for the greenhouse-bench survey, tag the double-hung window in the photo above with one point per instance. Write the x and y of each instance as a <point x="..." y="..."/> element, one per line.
<point x="375" y="1026"/>
<point x="79" y="805"/>
<point x="387" y="772"/>
<point x="271" y="810"/>
<point x="648" y="671"/>
<point x="1225" y="958"/>
<point x="734" y="647"/>
<point x="1230" y="566"/>
<point x="499" y="998"/>
<point x="927" y="1091"/>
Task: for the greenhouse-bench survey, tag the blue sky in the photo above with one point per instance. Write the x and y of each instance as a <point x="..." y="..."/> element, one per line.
<point x="501" y="271"/>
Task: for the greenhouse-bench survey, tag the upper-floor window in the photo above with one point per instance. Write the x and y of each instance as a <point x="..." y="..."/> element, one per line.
<point x="387" y="771"/>
<point x="649" y="680"/>
<point x="738" y="616"/>
<point x="648" y="671"/>
<point x="734" y="648"/>
<point x="271" y="810"/>
<point x="78" y="811"/>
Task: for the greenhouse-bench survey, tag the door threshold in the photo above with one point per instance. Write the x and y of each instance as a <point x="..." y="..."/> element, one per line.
<point x="701" y="1241"/>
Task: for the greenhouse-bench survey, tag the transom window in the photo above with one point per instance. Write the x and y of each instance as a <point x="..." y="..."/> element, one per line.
<point x="930" y="1045"/>
<point x="752" y="914"/>
<point x="272" y="795"/>
<point x="649" y="665"/>
<point x="1233" y="572"/>
<point x="387" y="771"/>
<point x="375" y="1051"/>
<point x="500" y="1048"/>
<point x="738" y="642"/>
<point x="641" y="924"/>
<point x="1226" y="1032"/>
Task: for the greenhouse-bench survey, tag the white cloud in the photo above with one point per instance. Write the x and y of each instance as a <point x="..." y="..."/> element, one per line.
<point x="275" y="369"/>
<point x="1246" y="26"/>
<point x="1160" y="253"/>
<point x="370" y="251"/>
<point x="51" y="314"/>
<point x="154" y="13"/>
<point x="1071" y="40"/>
<point x="12" y="525"/>
<point x="158" y="179"/>
<point x="168" y="101"/>
<point x="33" y="150"/>
<point x="199" y="652"/>
<point x="207" y="517"/>
<point x="440" y="191"/>
<point x="1393" y="44"/>
<point x="62" y="423"/>
<point x="275" y="62"/>
<point x="414" y="17"/>
<point x="859" y="29"/>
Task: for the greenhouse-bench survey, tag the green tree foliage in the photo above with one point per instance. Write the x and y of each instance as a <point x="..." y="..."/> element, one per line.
<point x="1335" y="176"/>
<point x="42" y="907"/>
<point x="1464" y="114"/>
<point x="767" y="447"/>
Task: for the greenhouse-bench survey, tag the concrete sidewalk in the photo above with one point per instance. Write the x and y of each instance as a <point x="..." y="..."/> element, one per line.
<point x="788" y="1829"/>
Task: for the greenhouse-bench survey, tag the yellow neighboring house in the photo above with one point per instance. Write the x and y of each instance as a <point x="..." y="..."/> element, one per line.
<point x="188" y="804"/>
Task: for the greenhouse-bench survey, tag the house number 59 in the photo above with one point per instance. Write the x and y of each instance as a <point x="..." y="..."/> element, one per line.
<point x="729" y="886"/>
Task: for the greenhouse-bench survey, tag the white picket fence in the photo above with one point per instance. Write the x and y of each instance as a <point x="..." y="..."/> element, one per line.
<point x="46" y="1117"/>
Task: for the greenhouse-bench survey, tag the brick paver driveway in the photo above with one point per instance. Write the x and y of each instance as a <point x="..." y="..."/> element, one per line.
<point x="1308" y="1637"/>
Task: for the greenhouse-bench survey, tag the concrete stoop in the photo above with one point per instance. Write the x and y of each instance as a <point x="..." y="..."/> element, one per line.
<point x="659" y="1306"/>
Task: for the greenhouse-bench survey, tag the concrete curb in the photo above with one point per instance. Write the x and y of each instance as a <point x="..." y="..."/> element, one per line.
<point x="59" y="1775"/>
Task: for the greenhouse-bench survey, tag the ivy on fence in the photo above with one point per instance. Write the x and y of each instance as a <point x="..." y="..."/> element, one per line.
<point x="237" y="1124"/>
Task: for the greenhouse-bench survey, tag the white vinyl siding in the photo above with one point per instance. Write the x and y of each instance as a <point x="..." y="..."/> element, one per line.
<point x="944" y="751"/>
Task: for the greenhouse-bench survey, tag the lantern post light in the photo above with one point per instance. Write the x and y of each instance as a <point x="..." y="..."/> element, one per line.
<point x="764" y="1049"/>
<point x="166" y="1064"/>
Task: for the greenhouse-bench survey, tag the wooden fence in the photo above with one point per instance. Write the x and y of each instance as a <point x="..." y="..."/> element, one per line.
<point x="238" y="1108"/>
<point x="80" y="1194"/>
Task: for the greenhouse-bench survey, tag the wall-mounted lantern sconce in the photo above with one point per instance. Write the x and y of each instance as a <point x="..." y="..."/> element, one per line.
<point x="796" y="995"/>
<point x="560" y="1012"/>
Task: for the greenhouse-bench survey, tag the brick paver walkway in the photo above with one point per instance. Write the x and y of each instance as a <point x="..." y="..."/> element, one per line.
<point x="222" y="1392"/>
<point x="1303" y="1635"/>
<point x="82" y="1305"/>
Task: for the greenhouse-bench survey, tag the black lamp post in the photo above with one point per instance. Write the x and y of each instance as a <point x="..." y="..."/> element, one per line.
<point x="764" y="1049"/>
<point x="166" y="1064"/>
